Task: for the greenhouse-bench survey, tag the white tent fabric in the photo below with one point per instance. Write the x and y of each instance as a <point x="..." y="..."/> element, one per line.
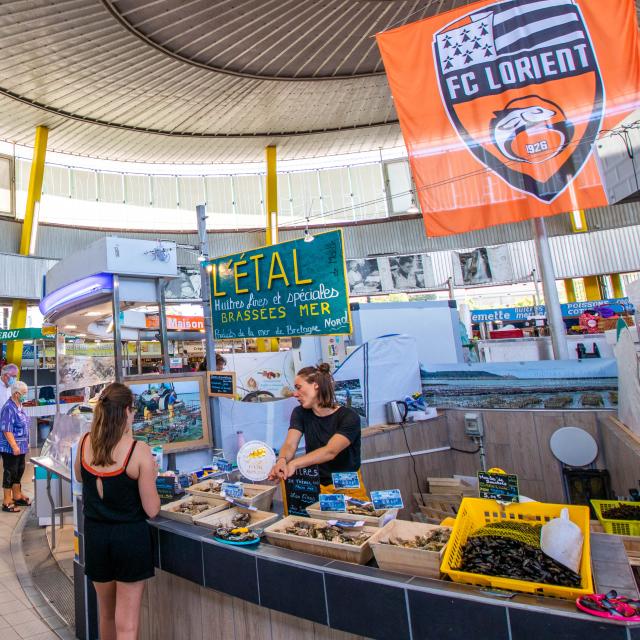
<point x="387" y="369"/>
<point x="265" y="421"/>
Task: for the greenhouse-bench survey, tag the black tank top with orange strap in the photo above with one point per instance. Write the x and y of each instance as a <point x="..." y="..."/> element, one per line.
<point x="120" y="501"/>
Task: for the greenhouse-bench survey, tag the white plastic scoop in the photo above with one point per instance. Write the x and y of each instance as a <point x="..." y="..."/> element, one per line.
<point x="562" y="540"/>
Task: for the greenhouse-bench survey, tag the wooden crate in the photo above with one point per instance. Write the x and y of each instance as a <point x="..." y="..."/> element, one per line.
<point x="372" y="521"/>
<point x="412" y="562"/>
<point x="451" y="486"/>
<point x="276" y="535"/>
<point x="259" y="519"/>
<point x="438" y="507"/>
<point x="259" y="496"/>
<point x="168" y="510"/>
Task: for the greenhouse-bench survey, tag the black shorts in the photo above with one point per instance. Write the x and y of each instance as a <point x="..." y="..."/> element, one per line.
<point x="118" y="551"/>
<point x="13" y="468"/>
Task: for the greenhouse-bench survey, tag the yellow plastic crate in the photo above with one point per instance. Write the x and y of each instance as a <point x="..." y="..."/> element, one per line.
<point x="474" y="513"/>
<point x="618" y="527"/>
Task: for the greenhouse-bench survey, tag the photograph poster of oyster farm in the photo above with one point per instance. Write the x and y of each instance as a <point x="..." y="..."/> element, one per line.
<point x="547" y="384"/>
<point x="169" y="413"/>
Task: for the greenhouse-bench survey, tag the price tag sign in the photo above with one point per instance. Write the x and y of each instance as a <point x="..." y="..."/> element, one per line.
<point x="346" y="524"/>
<point x="333" y="502"/>
<point x="166" y="486"/>
<point x="300" y="491"/>
<point x="387" y="499"/>
<point x="498" y="486"/>
<point x="224" y="465"/>
<point x="232" y="490"/>
<point x="346" y="480"/>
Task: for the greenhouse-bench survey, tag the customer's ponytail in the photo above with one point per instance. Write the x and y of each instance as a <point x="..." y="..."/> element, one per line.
<point x="109" y="422"/>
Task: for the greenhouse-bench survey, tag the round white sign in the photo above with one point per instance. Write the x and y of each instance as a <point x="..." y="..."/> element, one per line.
<point x="255" y="460"/>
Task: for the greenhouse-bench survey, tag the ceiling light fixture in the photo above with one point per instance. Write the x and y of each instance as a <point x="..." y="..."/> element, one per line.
<point x="413" y="208"/>
<point x="70" y="326"/>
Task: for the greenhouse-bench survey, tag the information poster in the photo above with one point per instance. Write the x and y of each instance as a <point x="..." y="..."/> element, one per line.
<point x="294" y="288"/>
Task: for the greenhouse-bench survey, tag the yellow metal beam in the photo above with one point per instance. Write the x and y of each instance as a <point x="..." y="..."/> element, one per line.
<point x="272" y="195"/>
<point x="578" y="221"/>
<point x="570" y="290"/>
<point x="271" y="344"/>
<point x="616" y="285"/>
<point x="29" y="233"/>
<point x="592" y="288"/>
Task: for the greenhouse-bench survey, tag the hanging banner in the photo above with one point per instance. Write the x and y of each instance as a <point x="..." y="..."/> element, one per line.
<point x="500" y="105"/>
<point x="294" y="288"/>
<point x="8" y="335"/>
<point x="485" y="265"/>
<point x="390" y="274"/>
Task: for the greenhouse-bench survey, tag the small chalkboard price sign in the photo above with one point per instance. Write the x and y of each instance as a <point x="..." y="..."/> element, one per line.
<point x="498" y="486"/>
<point x="300" y="491"/>
<point x="221" y="384"/>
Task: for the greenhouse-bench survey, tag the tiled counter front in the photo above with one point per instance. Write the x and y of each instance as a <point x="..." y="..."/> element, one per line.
<point x="205" y="589"/>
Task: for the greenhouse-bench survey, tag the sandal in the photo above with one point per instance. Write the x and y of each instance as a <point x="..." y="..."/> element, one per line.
<point x="10" y="508"/>
<point x="23" y="502"/>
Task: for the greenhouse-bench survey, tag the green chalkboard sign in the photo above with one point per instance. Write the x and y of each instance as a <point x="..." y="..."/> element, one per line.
<point x="294" y="288"/>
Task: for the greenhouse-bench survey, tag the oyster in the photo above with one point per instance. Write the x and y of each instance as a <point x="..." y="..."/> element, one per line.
<point x="330" y="533"/>
<point x="241" y="520"/>
<point x="192" y="507"/>
<point x="434" y="541"/>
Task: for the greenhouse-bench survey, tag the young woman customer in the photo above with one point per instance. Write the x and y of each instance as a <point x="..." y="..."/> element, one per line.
<point x="331" y="432"/>
<point x="118" y="475"/>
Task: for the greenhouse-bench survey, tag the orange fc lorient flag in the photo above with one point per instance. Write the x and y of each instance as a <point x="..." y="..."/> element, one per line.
<point x="501" y="105"/>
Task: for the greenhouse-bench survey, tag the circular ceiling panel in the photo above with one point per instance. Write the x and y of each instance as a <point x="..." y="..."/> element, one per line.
<point x="273" y="39"/>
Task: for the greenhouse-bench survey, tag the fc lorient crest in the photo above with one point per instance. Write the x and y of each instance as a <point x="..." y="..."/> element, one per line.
<point x="521" y="85"/>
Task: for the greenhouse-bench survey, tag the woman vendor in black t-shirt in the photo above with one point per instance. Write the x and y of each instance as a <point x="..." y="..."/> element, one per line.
<point x="331" y="432"/>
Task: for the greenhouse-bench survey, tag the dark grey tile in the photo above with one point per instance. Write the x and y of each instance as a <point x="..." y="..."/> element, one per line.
<point x="269" y="551"/>
<point x="155" y="542"/>
<point x="79" y="586"/>
<point x="370" y="572"/>
<point x="634" y="632"/>
<point x="181" y="556"/>
<point x="531" y="625"/>
<point x="304" y="595"/>
<point x="231" y="572"/>
<point x="446" y="617"/>
<point x="366" y="608"/>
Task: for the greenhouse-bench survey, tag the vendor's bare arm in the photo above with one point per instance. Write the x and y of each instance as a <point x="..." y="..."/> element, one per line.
<point x="336" y="444"/>
<point x="287" y="451"/>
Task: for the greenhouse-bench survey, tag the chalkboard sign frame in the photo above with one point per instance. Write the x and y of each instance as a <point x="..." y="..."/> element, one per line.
<point x="221" y="374"/>
<point x="509" y="492"/>
<point x="286" y="486"/>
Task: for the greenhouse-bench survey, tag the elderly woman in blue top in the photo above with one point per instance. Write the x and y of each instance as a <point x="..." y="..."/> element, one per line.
<point x="14" y="444"/>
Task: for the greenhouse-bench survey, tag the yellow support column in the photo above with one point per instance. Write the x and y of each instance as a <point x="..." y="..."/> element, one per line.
<point x="272" y="195"/>
<point x="570" y="290"/>
<point x="29" y="232"/>
<point x="616" y="285"/>
<point x="592" y="288"/>
<point x="271" y="201"/>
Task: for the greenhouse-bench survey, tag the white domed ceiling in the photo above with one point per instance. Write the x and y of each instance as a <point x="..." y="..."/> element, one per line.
<point x="200" y="81"/>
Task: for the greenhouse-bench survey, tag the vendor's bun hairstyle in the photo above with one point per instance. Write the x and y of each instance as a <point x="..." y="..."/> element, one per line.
<point x="109" y="422"/>
<point x="321" y="375"/>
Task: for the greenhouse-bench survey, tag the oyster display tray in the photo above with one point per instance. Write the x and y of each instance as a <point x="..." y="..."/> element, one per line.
<point x="276" y="535"/>
<point x="259" y="496"/>
<point x="259" y="519"/>
<point x="617" y="527"/>
<point x="373" y="521"/>
<point x="413" y="562"/>
<point x="474" y="513"/>
<point x="217" y="505"/>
